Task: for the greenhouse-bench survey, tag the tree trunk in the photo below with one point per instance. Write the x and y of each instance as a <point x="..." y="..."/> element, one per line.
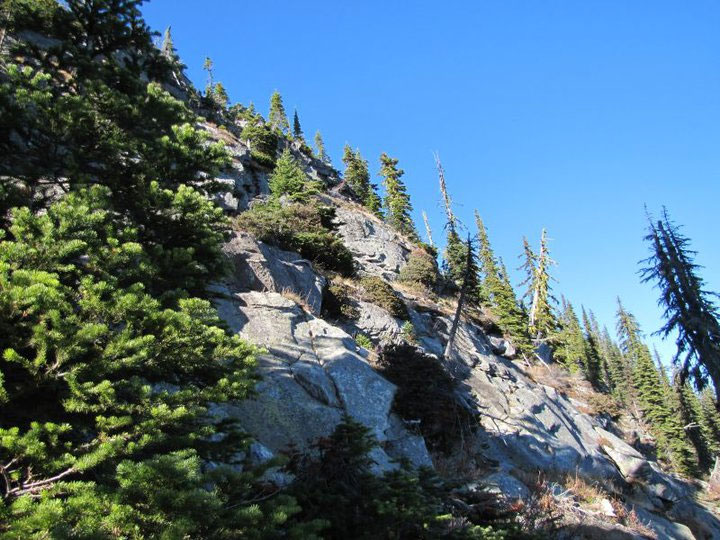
<point x="461" y="302"/>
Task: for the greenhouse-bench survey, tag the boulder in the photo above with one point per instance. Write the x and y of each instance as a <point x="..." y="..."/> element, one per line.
<point x="261" y="267"/>
<point x="378" y="250"/>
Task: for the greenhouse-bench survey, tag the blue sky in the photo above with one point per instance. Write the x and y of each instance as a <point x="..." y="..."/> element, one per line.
<point x="556" y="114"/>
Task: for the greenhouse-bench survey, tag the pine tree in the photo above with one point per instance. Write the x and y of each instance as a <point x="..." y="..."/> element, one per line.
<point x="277" y="118"/>
<point x="168" y="48"/>
<point x="297" y="130"/>
<point x="689" y="412"/>
<point x="570" y="347"/>
<point x="541" y="320"/>
<point x="320" y="148"/>
<point x="219" y="95"/>
<point x="653" y="397"/>
<point x="397" y="201"/>
<point x="210" y="86"/>
<point x="593" y="362"/>
<point x="619" y="374"/>
<point x="689" y="310"/>
<point x="469" y="284"/>
<point x="290" y="180"/>
<point x="498" y="291"/>
<point x="710" y="421"/>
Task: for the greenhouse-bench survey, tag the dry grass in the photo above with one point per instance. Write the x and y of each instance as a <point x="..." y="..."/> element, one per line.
<point x="294" y="296"/>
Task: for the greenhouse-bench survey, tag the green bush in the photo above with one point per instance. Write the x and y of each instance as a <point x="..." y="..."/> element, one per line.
<point x="363" y="341"/>
<point x="382" y="294"/>
<point x="263" y="143"/>
<point x="336" y="302"/>
<point x="422" y="269"/>
<point x="303" y="227"/>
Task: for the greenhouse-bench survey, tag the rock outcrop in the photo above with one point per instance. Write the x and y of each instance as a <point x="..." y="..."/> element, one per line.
<point x="314" y="374"/>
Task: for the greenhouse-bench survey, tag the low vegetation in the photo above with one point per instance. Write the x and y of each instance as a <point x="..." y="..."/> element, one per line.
<point x="380" y="292"/>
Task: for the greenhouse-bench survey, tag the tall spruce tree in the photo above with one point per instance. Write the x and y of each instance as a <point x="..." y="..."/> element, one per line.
<point x="297" y="130"/>
<point x="619" y="374"/>
<point x="499" y="293"/>
<point x="652" y="396"/>
<point x="689" y="411"/>
<point x="357" y="176"/>
<point x="278" y="118"/>
<point x="397" y="201"/>
<point x="570" y="346"/>
<point x="541" y="320"/>
<point x="710" y="420"/>
<point x="593" y="361"/>
<point x="689" y="309"/>
<point x="320" y="148"/>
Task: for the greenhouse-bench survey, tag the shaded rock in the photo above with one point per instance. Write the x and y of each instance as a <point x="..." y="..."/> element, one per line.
<point x="261" y="267"/>
<point x="507" y="485"/>
<point x="663" y="527"/>
<point x="403" y="444"/>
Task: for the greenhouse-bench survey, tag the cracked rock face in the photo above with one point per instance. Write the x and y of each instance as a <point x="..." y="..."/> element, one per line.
<point x="378" y="250"/>
<point x="312" y="377"/>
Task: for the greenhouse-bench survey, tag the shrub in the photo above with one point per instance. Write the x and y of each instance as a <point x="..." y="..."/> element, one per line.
<point x="426" y="392"/>
<point x="290" y="180"/>
<point x="336" y="302"/>
<point x="263" y="143"/>
<point x="363" y="341"/>
<point x="337" y="487"/>
<point x="421" y="268"/>
<point x="380" y="292"/>
<point x="303" y="227"/>
<point x="408" y="332"/>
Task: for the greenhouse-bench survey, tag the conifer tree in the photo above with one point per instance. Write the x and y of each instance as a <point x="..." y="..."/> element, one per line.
<point x="619" y="375"/>
<point x="689" y="411"/>
<point x="277" y="118"/>
<point x="397" y="201"/>
<point x="428" y="231"/>
<point x="593" y="361"/>
<point x="219" y="95"/>
<point x="167" y="48"/>
<point x="455" y="249"/>
<point x="468" y="285"/>
<point x="689" y="309"/>
<point x="498" y="291"/>
<point x="710" y="421"/>
<point x="210" y="86"/>
<point x="541" y="320"/>
<point x="357" y="174"/>
<point x="297" y="130"/>
<point x="570" y="347"/>
<point x="320" y="148"/>
<point x="290" y="180"/>
<point x="652" y="396"/>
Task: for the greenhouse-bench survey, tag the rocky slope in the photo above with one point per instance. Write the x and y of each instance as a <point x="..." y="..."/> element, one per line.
<point x="314" y="373"/>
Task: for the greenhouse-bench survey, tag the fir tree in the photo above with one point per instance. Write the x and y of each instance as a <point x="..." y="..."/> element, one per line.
<point x="596" y="367"/>
<point x="570" y="347"/>
<point x="498" y="291"/>
<point x="689" y="309"/>
<point x="277" y="118"/>
<point x="469" y="284"/>
<point x="219" y="95"/>
<point x="320" y="148"/>
<point x="167" y="48"/>
<point x="297" y="130"/>
<point x="397" y="201"/>
<point x="290" y="180"/>
<point x="710" y="421"/>
<point x="619" y="375"/>
<point x="541" y="320"/>
<point x="357" y="174"/>
<point x="689" y="411"/>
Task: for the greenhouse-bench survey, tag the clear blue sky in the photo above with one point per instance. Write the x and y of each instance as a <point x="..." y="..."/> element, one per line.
<point x="557" y="114"/>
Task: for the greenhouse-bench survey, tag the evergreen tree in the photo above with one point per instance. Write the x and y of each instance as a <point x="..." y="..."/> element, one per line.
<point x="710" y="421"/>
<point x="619" y="375"/>
<point x="219" y="95"/>
<point x="297" y="130"/>
<point x="541" y="320"/>
<point x="357" y="174"/>
<point x="689" y="411"/>
<point x="397" y="201"/>
<point x="499" y="293"/>
<point x="570" y="347"/>
<point x="652" y="396"/>
<point x="277" y="118"/>
<point x="168" y="47"/>
<point x="210" y="85"/>
<point x="290" y="180"/>
<point x="689" y="309"/>
<point x="320" y="148"/>
<point x="598" y="370"/>
<point x="470" y="284"/>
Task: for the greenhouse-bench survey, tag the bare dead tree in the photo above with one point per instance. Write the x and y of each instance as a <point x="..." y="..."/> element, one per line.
<point x="427" y="229"/>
